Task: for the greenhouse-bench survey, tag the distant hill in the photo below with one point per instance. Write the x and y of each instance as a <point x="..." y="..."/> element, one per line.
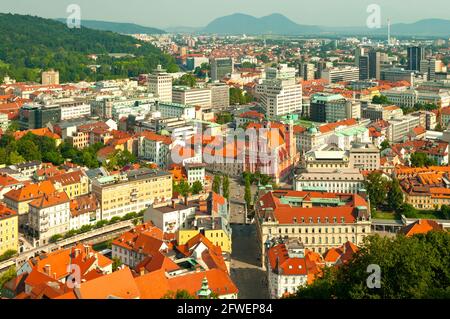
<point x="31" y="44"/>
<point x="118" y="27"/>
<point x="246" y="24"/>
<point x="427" y="27"/>
<point x="424" y="28"/>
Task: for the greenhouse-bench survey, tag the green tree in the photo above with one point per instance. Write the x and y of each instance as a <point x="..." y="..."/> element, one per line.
<point x="380" y="99"/>
<point x="8" y="254"/>
<point x="187" y="79"/>
<point x="411" y="268"/>
<point x="182" y="188"/>
<point x="445" y="211"/>
<point x="197" y="187"/>
<point x="116" y="263"/>
<point x="376" y="186"/>
<point x="419" y="159"/>
<point x="179" y="294"/>
<point x="408" y="210"/>
<point x="15" y="158"/>
<point x="395" y="195"/>
<point x="226" y="187"/>
<point x="217" y="184"/>
<point x="7" y="276"/>
<point x="385" y="144"/>
<point x="224" y="118"/>
<point x="28" y="150"/>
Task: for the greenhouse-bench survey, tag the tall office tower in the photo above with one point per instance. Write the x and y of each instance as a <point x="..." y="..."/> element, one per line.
<point x="50" y="77"/>
<point x="220" y="96"/>
<point x="374" y="65"/>
<point x="415" y="56"/>
<point x="220" y="67"/>
<point x="307" y="71"/>
<point x="321" y="65"/>
<point x="429" y="67"/>
<point x="160" y="84"/>
<point x="280" y="97"/>
<point x="359" y="52"/>
<point x="281" y="72"/>
<point x="364" y="67"/>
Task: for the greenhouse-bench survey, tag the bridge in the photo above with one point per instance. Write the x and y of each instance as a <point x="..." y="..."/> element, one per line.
<point x="92" y="237"/>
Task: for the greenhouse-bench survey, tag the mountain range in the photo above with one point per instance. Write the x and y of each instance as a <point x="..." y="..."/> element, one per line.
<point x="118" y="27"/>
<point x="246" y="24"/>
<point x="276" y="24"/>
<point x="281" y="25"/>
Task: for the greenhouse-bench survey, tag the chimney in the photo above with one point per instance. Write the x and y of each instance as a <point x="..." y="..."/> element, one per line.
<point x="47" y="269"/>
<point x="142" y="271"/>
<point x="174" y="204"/>
<point x="77" y="252"/>
<point x="86" y="250"/>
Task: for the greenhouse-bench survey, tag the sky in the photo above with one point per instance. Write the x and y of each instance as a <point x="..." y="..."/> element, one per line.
<point x="197" y="13"/>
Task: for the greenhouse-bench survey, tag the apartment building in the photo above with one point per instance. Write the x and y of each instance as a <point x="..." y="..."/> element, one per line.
<point x="290" y="266"/>
<point x="192" y="96"/>
<point x="280" y="96"/>
<point x="19" y="199"/>
<point x="425" y="188"/>
<point x="400" y="127"/>
<point x="9" y="229"/>
<point x="340" y="180"/>
<point x="183" y="111"/>
<point x="220" y="67"/>
<point x="155" y="148"/>
<point x="49" y="215"/>
<point x="172" y="218"/>
<point x="74" y="183"/>
<point x="408" y="97"/>
<point x="215" y="229"/>
<point x="160" y="84"/>
<point x="325" y="107"/>
<point x="341" y="133"/>
<point x="132" y="191"/>
<point x="340" y="74"/>
<point x="220" y="96"/>
<point x="377" y="112"/>
<point x="318" y="220"/>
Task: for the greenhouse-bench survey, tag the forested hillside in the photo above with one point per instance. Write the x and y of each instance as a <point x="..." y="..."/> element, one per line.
<point x="30" y="44"/>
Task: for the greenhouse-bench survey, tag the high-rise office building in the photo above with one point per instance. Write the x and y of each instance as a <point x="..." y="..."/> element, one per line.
<point x="280" y="97"/>
<point x="220" y="96"/>
<point x="415" y="56"/>
<point x="307" y="71"/>
<point x="281" y="72"/>
<point x="374" y="65"/>
<point x="160" y="84"/>
<point x="363" y="67"/>
<point x="220" y="67"/>
<point x="327" y="107"/>
<point x="192" y="96"/>
<point x="429" y="66"/>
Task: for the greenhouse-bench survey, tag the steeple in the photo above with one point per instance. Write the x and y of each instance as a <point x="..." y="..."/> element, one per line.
<point x="204" y="292"/>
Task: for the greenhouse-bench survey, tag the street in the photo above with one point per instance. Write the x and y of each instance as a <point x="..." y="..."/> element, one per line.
<point x="245" y="270"/>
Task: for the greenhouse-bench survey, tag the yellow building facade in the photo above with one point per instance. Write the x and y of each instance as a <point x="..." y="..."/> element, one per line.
<point x="9" y="229"/>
